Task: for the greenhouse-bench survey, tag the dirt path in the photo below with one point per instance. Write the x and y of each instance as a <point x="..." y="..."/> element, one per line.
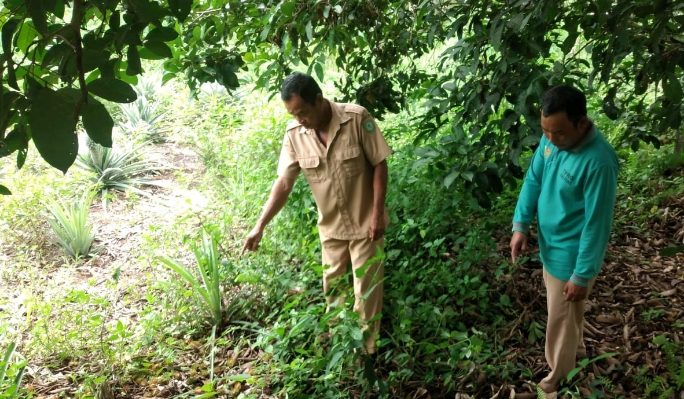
<point x="121" y="265"/>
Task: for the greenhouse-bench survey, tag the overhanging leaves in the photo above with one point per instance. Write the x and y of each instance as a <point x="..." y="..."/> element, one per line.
<point x="113" y="89"/>
<point x="52" y="120"/>
<point x="97" y="122"/>
<point x="180" y="8"/>
<point x="38" y="15"/>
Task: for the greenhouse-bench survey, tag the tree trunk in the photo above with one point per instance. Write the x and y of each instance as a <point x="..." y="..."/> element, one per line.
<point x="679" y="143"/>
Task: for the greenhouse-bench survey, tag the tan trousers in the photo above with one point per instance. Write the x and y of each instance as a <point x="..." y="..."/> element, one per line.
<point x="564" y="332"/>
<point x="338" y="255"/>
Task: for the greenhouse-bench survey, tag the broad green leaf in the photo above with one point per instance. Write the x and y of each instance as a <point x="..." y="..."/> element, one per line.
<point x="52" y="121"/>
<point x="147" y="11"/>
<point x="4" y="190"/>
<point x="228" y="77"/>
<point x="672" y="251"/>
<point x="163" y="34"/>
<point x="287" y="8"/>
<point x="21" y="157"/>
<point x="449" y="180"/>
<point x="92" y="59"/>
<point x="15" y="140"/>
<point x="449" y="86"/>
<point x="180" y="8"/>
<point x="58" y="9"/>
<point x="318" y="67"/>
<point x="8" y="30"/>
<point x="672" y="88"/>
<point x="130" y="79"/>
<point x="27" y="33"/>
<point x="97" y="122"/>
<point x="112" y="89"/>
<point x="133" y="58"/>
<point x="573" y="373"/>
<point x="159" y="49"/>
<point x="12" y="77"/>
<point x="54" y="55"/>
<point x="115" y="20"/>
<point x="309" y="31"/>
<point x="38" y="15"/>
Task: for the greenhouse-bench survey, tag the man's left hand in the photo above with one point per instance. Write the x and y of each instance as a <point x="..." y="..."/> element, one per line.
<point x="377" y="228"/>
<point x="574" y="293"/>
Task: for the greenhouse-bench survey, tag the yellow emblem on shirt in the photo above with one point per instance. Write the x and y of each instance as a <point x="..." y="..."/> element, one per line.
<point x="547" y="151"/>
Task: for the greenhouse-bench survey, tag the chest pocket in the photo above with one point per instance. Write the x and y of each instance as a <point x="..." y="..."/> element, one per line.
<point x="313" y="170"/>
<point x="351" y="160"/>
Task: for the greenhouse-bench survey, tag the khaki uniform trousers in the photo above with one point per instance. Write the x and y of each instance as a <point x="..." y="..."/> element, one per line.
<point x="564" y="332"/>
<point x="338" y="255"/>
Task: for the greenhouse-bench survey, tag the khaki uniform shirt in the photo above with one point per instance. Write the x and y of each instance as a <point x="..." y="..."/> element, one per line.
<point x="341" y="174"/>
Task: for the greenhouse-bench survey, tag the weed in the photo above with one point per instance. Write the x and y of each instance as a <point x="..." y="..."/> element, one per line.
<point x="11" y="373"/>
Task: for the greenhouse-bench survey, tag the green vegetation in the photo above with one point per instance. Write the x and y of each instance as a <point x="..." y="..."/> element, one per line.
<point x="11" y="373"/>
<point x="489" y="63"/>
<point x="207" y="286"/>
<point x="116" y="169"/>
<point x="458" y="317"/>
<point x="167" y="307"/>
<point x="69" y="223"/>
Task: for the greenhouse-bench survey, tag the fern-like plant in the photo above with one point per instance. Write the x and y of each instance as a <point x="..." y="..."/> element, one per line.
<point x="11" y="373"/>
<point x="69" y="222"/>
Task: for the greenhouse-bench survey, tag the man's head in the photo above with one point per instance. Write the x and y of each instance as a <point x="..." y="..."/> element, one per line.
<point x="564" y="116"/>
<point x="304" y="100"/>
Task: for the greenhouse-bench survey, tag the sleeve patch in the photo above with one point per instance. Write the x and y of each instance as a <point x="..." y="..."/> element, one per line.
<point x="369" y="126"/>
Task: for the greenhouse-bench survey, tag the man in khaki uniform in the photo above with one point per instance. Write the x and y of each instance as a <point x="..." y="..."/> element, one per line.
<point x="343" y="155"/>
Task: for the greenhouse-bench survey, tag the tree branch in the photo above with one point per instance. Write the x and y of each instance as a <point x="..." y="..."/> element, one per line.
<point x="76" y="18"/>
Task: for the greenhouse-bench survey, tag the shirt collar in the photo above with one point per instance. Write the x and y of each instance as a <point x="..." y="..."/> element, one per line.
<point x="588" y="138"/>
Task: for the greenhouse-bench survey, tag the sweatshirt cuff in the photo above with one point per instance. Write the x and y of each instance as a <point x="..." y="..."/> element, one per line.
<point x="579" y="281"/>
<point x="521" y="227"/>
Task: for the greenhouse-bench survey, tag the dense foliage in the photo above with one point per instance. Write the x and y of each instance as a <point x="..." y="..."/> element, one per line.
<point x="490" y="63"/>
<point x="456" y="84"/>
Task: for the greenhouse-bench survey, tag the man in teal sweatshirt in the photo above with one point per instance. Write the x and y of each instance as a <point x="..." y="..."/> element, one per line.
<point x="570" y="185"/>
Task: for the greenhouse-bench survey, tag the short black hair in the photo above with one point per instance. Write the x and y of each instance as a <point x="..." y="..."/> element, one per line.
<point x="565" y="98"/>
<point x="302" y="85"/>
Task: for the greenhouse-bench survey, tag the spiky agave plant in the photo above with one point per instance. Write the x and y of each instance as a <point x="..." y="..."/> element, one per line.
<point x="120" y="170"/>
<point x="141" y="117"/>
<point x="69" y="222"/>
<point x="207" y="286"/>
